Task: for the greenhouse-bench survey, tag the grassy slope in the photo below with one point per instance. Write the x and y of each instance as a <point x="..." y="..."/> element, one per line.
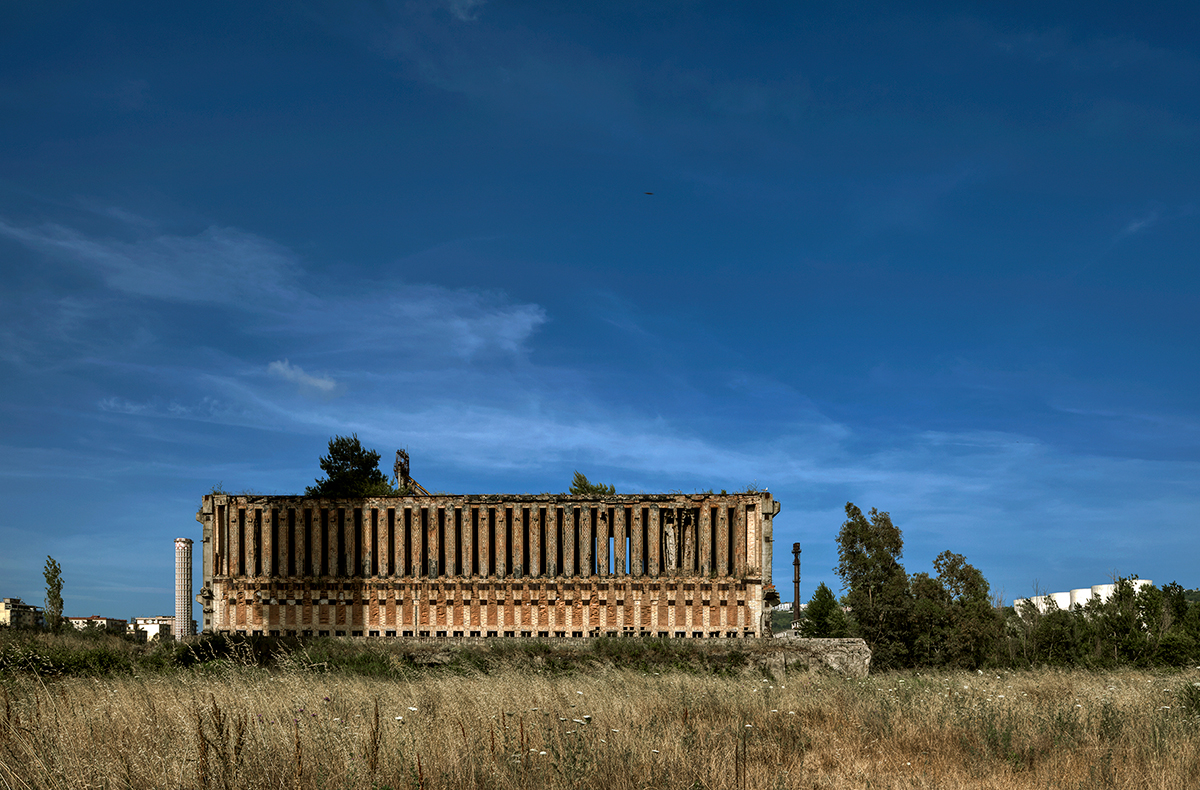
<point x="328" y="718"/>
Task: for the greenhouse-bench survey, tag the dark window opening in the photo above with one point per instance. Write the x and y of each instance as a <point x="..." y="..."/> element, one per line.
<point x="341" y="542"/>
<point x="424" y="563"/>
<point x="241" y="541"/>
<point x="291" y="542"/>
<point x="408" y="542"/>
<point x="257" y="542"/>
<point x="391" y="541"/>
<point x="273" y="560"/>
<point x="458" y="535"/>
<point x="508" y="541"/>
<point x="440" y="569"/>
<point x="307" y="543"/>
<point x="491" y="541"/>
<point x="523" y="570"/>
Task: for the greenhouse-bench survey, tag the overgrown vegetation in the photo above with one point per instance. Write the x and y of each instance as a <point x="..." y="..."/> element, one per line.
<point x="52" y="614"/>
<point x="581" y="486"/>
<point x="949" y="620"/>
<point x="96" y="654"/>
<point x="238" y="725"/>
<point x="351" y="472"/>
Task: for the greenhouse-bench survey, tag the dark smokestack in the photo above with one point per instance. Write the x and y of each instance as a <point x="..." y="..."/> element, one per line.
<point x="796" y="582"/>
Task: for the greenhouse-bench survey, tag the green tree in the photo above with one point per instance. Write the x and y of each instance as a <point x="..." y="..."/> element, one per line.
<point x="974" y="626"/>
<point x="823" y="617"/>
<point x="54" y="599"/>
<point x="352" y="472"/>
<point x="581" y="486"/>
<point x="877" y="591"/>
<point x="931" y="620"/>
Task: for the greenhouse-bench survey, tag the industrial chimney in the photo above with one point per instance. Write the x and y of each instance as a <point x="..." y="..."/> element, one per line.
<point x="183" y="587"/>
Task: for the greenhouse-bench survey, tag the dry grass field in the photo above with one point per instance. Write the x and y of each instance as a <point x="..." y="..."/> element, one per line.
<point x="243" y="727"/>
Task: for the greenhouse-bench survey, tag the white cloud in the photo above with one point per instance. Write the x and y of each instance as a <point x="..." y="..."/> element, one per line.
<point x="256" y="276"/>
<point x="295" y="374"/>
<point x="221" y="265"/>
<point x="1140" y="224"/>
<point x="465" y="10"/>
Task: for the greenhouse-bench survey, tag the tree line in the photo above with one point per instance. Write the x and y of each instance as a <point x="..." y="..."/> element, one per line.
<point x="949" y="620"/>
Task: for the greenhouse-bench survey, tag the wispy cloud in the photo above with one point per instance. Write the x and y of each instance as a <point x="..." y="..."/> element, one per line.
<point x="264" y="280"/>
<point x="1141" y="223"/>
<point x="465" y="10"/>
<point x="295" y="374"/>
<point x="220" y="265"/>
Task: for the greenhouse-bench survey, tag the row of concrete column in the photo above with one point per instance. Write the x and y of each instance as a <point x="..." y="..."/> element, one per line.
<point x="483" y="541"/>
<point x="407" y="616"/>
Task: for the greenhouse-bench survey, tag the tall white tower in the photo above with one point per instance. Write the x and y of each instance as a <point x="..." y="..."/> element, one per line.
<point x="183" y="587"/>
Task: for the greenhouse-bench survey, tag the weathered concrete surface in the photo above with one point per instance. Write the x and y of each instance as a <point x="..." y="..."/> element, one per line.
<point x="849" y="657"/>
<point x="750" y="657"/>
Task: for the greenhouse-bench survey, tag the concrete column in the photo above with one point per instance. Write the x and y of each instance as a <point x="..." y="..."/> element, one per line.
<point x="587" y="541"/>
<point x="452" y="568"/>
<point x="552" y="568"/>
<point x="636" y="548"/>
<point x="502" y="520"/>
<point x="254" y="518"/>
<point x="739" y="542"/>
<point x="689" y="541"/>
<point x="704" y="538"/>
<point x="569" y="519"/>
<point x="753" y="540"/>
<point x="485" y="520"/>
<point x="266" y="545"/>
<point x="669" y="518"/>
<point x="329" y="520"/>
<point x="363" y="524"/>
<point x="239" y="520"/>
<point x="518" y="541"/>
<point x="222" y="530"/>
<point x="469" y="520"/>
<point x="603" y="532"/>
<point x="537" y="518"/>
<point x="432" y="547"/>
<point x="287" y="529"/>
<point x="654" y="565"/>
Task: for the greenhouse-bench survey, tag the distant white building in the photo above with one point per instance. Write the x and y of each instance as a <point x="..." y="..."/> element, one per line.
<point x="18" y="614"/>
<point x="151" y="628"/>
<point x="1077" y="597"/>
<point x="99" y="622"/>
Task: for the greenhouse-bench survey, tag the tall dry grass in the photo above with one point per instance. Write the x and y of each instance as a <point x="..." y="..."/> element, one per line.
<point x="246" y="728"/>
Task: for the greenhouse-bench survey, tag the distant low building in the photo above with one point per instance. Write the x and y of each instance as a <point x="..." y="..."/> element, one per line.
<point x="98" y="622"/>
<point x="147" y="629"/>
<point x="1077" y="597"/>
<point x="17" y="614"/>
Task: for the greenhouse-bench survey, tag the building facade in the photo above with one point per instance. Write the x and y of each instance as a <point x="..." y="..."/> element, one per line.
<point x="151" y="628"/>
<point x="17" y="614"/>
<point x="489" y="565"/>
<point x="99" y="622"/>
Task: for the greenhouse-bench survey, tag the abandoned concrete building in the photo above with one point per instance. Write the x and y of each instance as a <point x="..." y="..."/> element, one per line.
<point x="666" y="565"/>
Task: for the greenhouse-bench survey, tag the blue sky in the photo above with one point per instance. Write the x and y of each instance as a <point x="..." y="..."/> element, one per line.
<point x="938" y="262"/>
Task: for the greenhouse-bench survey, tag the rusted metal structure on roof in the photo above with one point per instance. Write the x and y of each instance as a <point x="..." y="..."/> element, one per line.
<point x="666" y="565"/>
